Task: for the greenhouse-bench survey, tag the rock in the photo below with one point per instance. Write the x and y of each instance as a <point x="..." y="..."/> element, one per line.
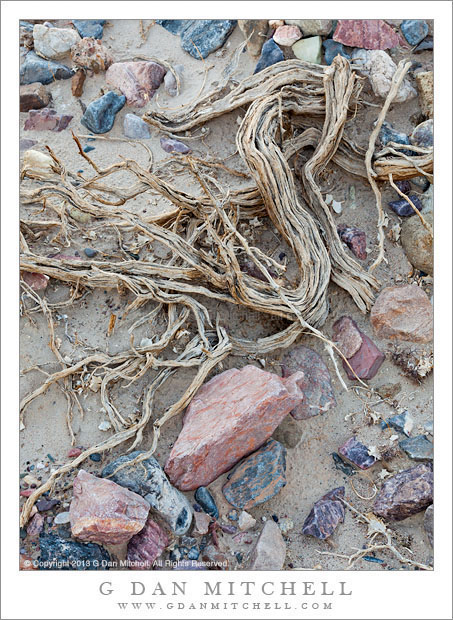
<point x="429" y="427"/>
<point x="404" y="313"/>
<point x="270" y="54"/>
<point x="367" y="358"/>
<point x="218" y="423"/>
<point x="170" y="84"/>
<point x="418" y="448"/>
<point x="36" y="69"/>
<point x="417" y="243"/>
<point x="170" y="145"/>
<point x="90" y="27"/>
<point x="286" y="525"/>
<point x="25" y="144"/>
<point x="36" y="281"/>
<point x="138" y="81"/>
<point x="325" y="515"/>
<point x="423" y="134"/>
<point x="333" y="48"/>
<point x="103" y="511"/>
<point x="175" y="26"/>
<point x="146" y="546"/>
<point x="428" y="522"/>
<point x="426" y="44"/>
<point x="357" y="453"/>
<point x="26" y="37"/>
<point x="258" y="477"/>
<point x="403" y="208"/>
<point x="414" y="30"/>
<point x="59" y="553"/>
<point x="246" y="521"/>
<point x="403" y="186"/>
<point x="354" y="238"/>
<point x="148" y="479"/>
<point x="215" y="559"/>
<point x="286" y="36"/>
<point x="61" y="518"/>
<point x="425" y="85"/>
<point x="389" y="134"/>
<point x="88" y="149"/>
<point x="90" y="54"/>
<point x="33" y="97"/>
<point x="46" y="120"/>
<point x="380" y="68"/>
<point x="257" y="28"/>
<point x="204" y="36"/>
<point x="309" y="50"/>
<point x="77" y="83"/>
<point x="270" y="550"/>
<point x="401" y="422"/>
<point x="74" y="452"/>
<point x="100" y="114"/>
<point x="90" y="252"/>
<point x="316" y="384"/>
<point x="206" y="501"/>
<point x="288" y="432"/>
<point x="96" y="457"/>
<point x="369" y="34"/>
<point x="408" y="492"/>
<point x="53" y="43"/>
<point x="35" y="525"/>
<point x="136" y="128"/>
<point x="44" y="504"/>
<point x="312" y="27"/>
<point x="202" y="521"/>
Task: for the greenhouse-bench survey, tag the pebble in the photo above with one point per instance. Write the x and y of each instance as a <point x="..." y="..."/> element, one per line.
<point x="342" y="466"/>
<point x="368" y="34"/>
<point x="312" y="27"/>
<point x="389" y="134"/>
<point x="270" y="54"/>
<point x="403" y="186"/>
<point x="73" y="452"/>
<point x="146" y="546"/>
<point x="286" y="525"/>
<point x="418" y="448"/>
<point x="333" y="48"/>
<point x="403" y="313"/>
<point x="233" y="515"/>
<point x="36" y="281"/>
<point x="33" y="97"/>
<point x="71" y="555"/>
<point x="380" y="69"/>
<point x="90" y="27"/>
<point x="46" y="120"/>
<point x="61" y="518"/>
<point x="202" y="521"/>
<point x="270" y="550"/>
<point x="46" y="504"/>
<point x="354" y="238"/>
<point x="105" y="425"/>
<point x="77" y="83"/>
<point x="256" y="29"/>
<point x="149" y="480"/>
<point x="170" y="84"/>
<point x="96" y="457"/>
<point x="100" y="114"/>
<point x="204" y="36"/>
<point x="423" y="134"/>
<point x="138" y="81"/>
<point x="88" y="149"/>
<point x="246" y="521"/>
<point x="309" y="50"/>
<point x="357" y="453"/>
<point x="37" y="69"/>
<point x="286" y="36"/>
<point x="53" y="43"/>
<point x="170" y="145"/>
<point x="361" y="352"/>
<point x="426" y="44"/>
<point x="405" y="494"/>
<point x="316" y="384"/>
<point x="90" y="54"/>
<point x="90" y="252"/>
<point x="414" y="30"/>
<point x="417" y="243"/>
<point x="403" y="208"/>
<point x="425" y="86"/>
<point x="35" y="525"/>
<point x="326" y="514"/>
<point x="401" y="422"/>
<point x="428" y="522"/>
<point x="206" y="501"/>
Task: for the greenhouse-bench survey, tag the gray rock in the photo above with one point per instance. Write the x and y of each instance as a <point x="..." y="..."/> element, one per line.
<point x="61" y="554"/>
<point x="418" y="243"/>
<point x="90" y="27"/>
<point x="401" y="422"/>
<point x="54" y="42"/>
<point x="428" y="522"/>
<point x="136" y="128"/>
<point x="170" y="80"/>
<point x="270" y="54"/>
<point x="205" y="34"/>
<point x="37" y="69"/>
<point x="100" y="114"/>
<point x="270" y="550"/>
<point x="423" y="134"/>
<point x="405" y="494"/>
<point x="418" y="448"/>
<point x="149" y="480"/>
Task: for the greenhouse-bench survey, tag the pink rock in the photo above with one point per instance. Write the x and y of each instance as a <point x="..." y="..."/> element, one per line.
<point x="146" y="546"/>
<point x="354" y="238"/>
<point x="231" y="416"/>
<point x="73" y="452"/>
<point x="138" y="81"/>
<point x="287" y="35"/>
<point x="46" y="120"/>
<point x="104" y="512"/>
<point x="36" y="281"/>
<point x="369" y="34"/>
<point x="35" y="525"/>
<point x="27" y="492"/>
<point x="367" y="359"/>
<point x="404" y="313"/>
<point x="270" y="550"/>
<point x="202" y="521"/>
<point x="347" y="336"/>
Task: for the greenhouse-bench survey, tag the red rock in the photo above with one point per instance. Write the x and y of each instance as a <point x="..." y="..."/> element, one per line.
<point x="104" y="512"/>
<point x="35" y="525"/>
<point x="367" y="360"/>
<point x="33" y="97"/>
<point x="90" y="54"/>
<point x="403" y="313"/>
<point x="146" y="546"/>
<point x="46" y="120"/>
<point x="231" y="416"/>
<point x="73" y="452"/>
<point x="138" y="81"/>
<point x="26" y="492"/>
<point x="408" y="492"/>
<point x="26" y="563"/>
<point x="369" y="34"/>
<point x="77" y="82"/>
<point x="354" y="238"/>
<point x="36" y="281"/>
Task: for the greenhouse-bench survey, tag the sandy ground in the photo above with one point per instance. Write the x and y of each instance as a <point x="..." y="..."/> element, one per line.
<point x="311" y="471"/>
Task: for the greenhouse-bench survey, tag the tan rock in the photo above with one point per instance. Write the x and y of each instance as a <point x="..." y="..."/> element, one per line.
<point x="270" y="550"/>
<point x="246" y="521"/>
<point x="33" y="97"/>
<point x="104" y="512"/>
<point x="417" y="242"/>
<point x="425" y="85"/>
<point x="403" y="313"/>
<point x="77" y="83"/>
<point x="231" y="416"/>
<point x="257" y="28"/>
<point x="90" y="54"/>
<point x="312" y="27"/>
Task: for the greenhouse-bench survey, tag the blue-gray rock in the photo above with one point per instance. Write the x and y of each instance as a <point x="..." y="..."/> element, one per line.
<point x="333" y="48"/>
<point x="403" y="208"/>
<point x="193" y="554"/>
<point x="175" y="26"/>
<point x="89" y="27"/>
<point x="63" y="554"/>
<point x="423" y="134"/>
<point x="96" y="457"/>
<point x="403" y="186"/>
<point x="29" y="27"/>
<point x="37" y="69"/>
<point x="418" y="448"/>
<point x="170" y="145"/>
<point x="206" y="35"/>
<point x="134" y="127"/>
<point x="206" y="501"/>
<point x="429" y="427"/>
<point x="389" y="134"/>
<point x="148" y="479"/>
<point x="258" y="477"/>
<point x="421" y="182"/>
<point x="270" y="54"/>
<point x="414" y="30"/>
<point x="401" y="422"/>
<point x="426" y="44"/>
<point x="100" y="114"/>
<point x="90" y="252"/>
<point x="357" y="453"/>
<point x="325" y="515"/>
<point x="88" y="148"/>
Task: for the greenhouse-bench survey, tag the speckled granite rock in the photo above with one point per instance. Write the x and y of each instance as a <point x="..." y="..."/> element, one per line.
<point x="366" y="359"/>
<point x="270" y="550"/>
<point x="146" y="546"/>
<point x="37" y="69"/>
<point x="286" y="36"/>
<point x="258" y="477"/>
<point x="325" y="515"/>
<point x="138" y="81"/>
<point x="61" y="554"/>
<point x="259" y="29"/>
<point x="408" y="492"/>
<point x="229" y="417"/>
<point x="357" y="453"/>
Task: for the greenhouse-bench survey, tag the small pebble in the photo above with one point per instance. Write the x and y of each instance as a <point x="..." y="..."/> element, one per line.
<point x="90" y="252"/>
<point x="104" y="425"/>
<point x="73" y="452"/>
<point x="96" y="457"/>
<point x="174" y="146"/>
<point x="206" y="501"/>
<point x="61" y="517"/>
<point x="87" y="148"/>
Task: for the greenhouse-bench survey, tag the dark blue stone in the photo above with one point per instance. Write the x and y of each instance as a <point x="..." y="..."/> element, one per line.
<point x="426" y="44"/>
<point x="37" y="69"/>
<point x="72" y="555"/>
<point x="397" y="422"/>
<point x="90" y="252"/>
<point x="403" y="186"/>
<point x="333" y="48"/>
<point x="403" y="208"/>
<point x="87" y="148"/>
<point x="96" y="457"/>
<point x="206" y="501"/>
<point x="414" y="30"/>
<point x="418" y="448"/>
<point x="370" y="558"/>
<point x="207" y="35"/>
<point x="89" y="27"/>
<point x="175" y="26"/>
<point x="100" y="114"/>
<point x="270" y="54"/>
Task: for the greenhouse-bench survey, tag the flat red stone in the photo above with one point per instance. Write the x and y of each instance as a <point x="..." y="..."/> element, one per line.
<point x="369" y="34"/>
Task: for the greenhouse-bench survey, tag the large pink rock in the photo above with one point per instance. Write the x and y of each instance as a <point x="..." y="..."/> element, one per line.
<point x="145" y="547"/>
<point x="231" y="416"/>
<point x="138" y="81"/>
<point x="403" y="313"/>
<point x="369" y="34"/>
<point x="102" y="511"/>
